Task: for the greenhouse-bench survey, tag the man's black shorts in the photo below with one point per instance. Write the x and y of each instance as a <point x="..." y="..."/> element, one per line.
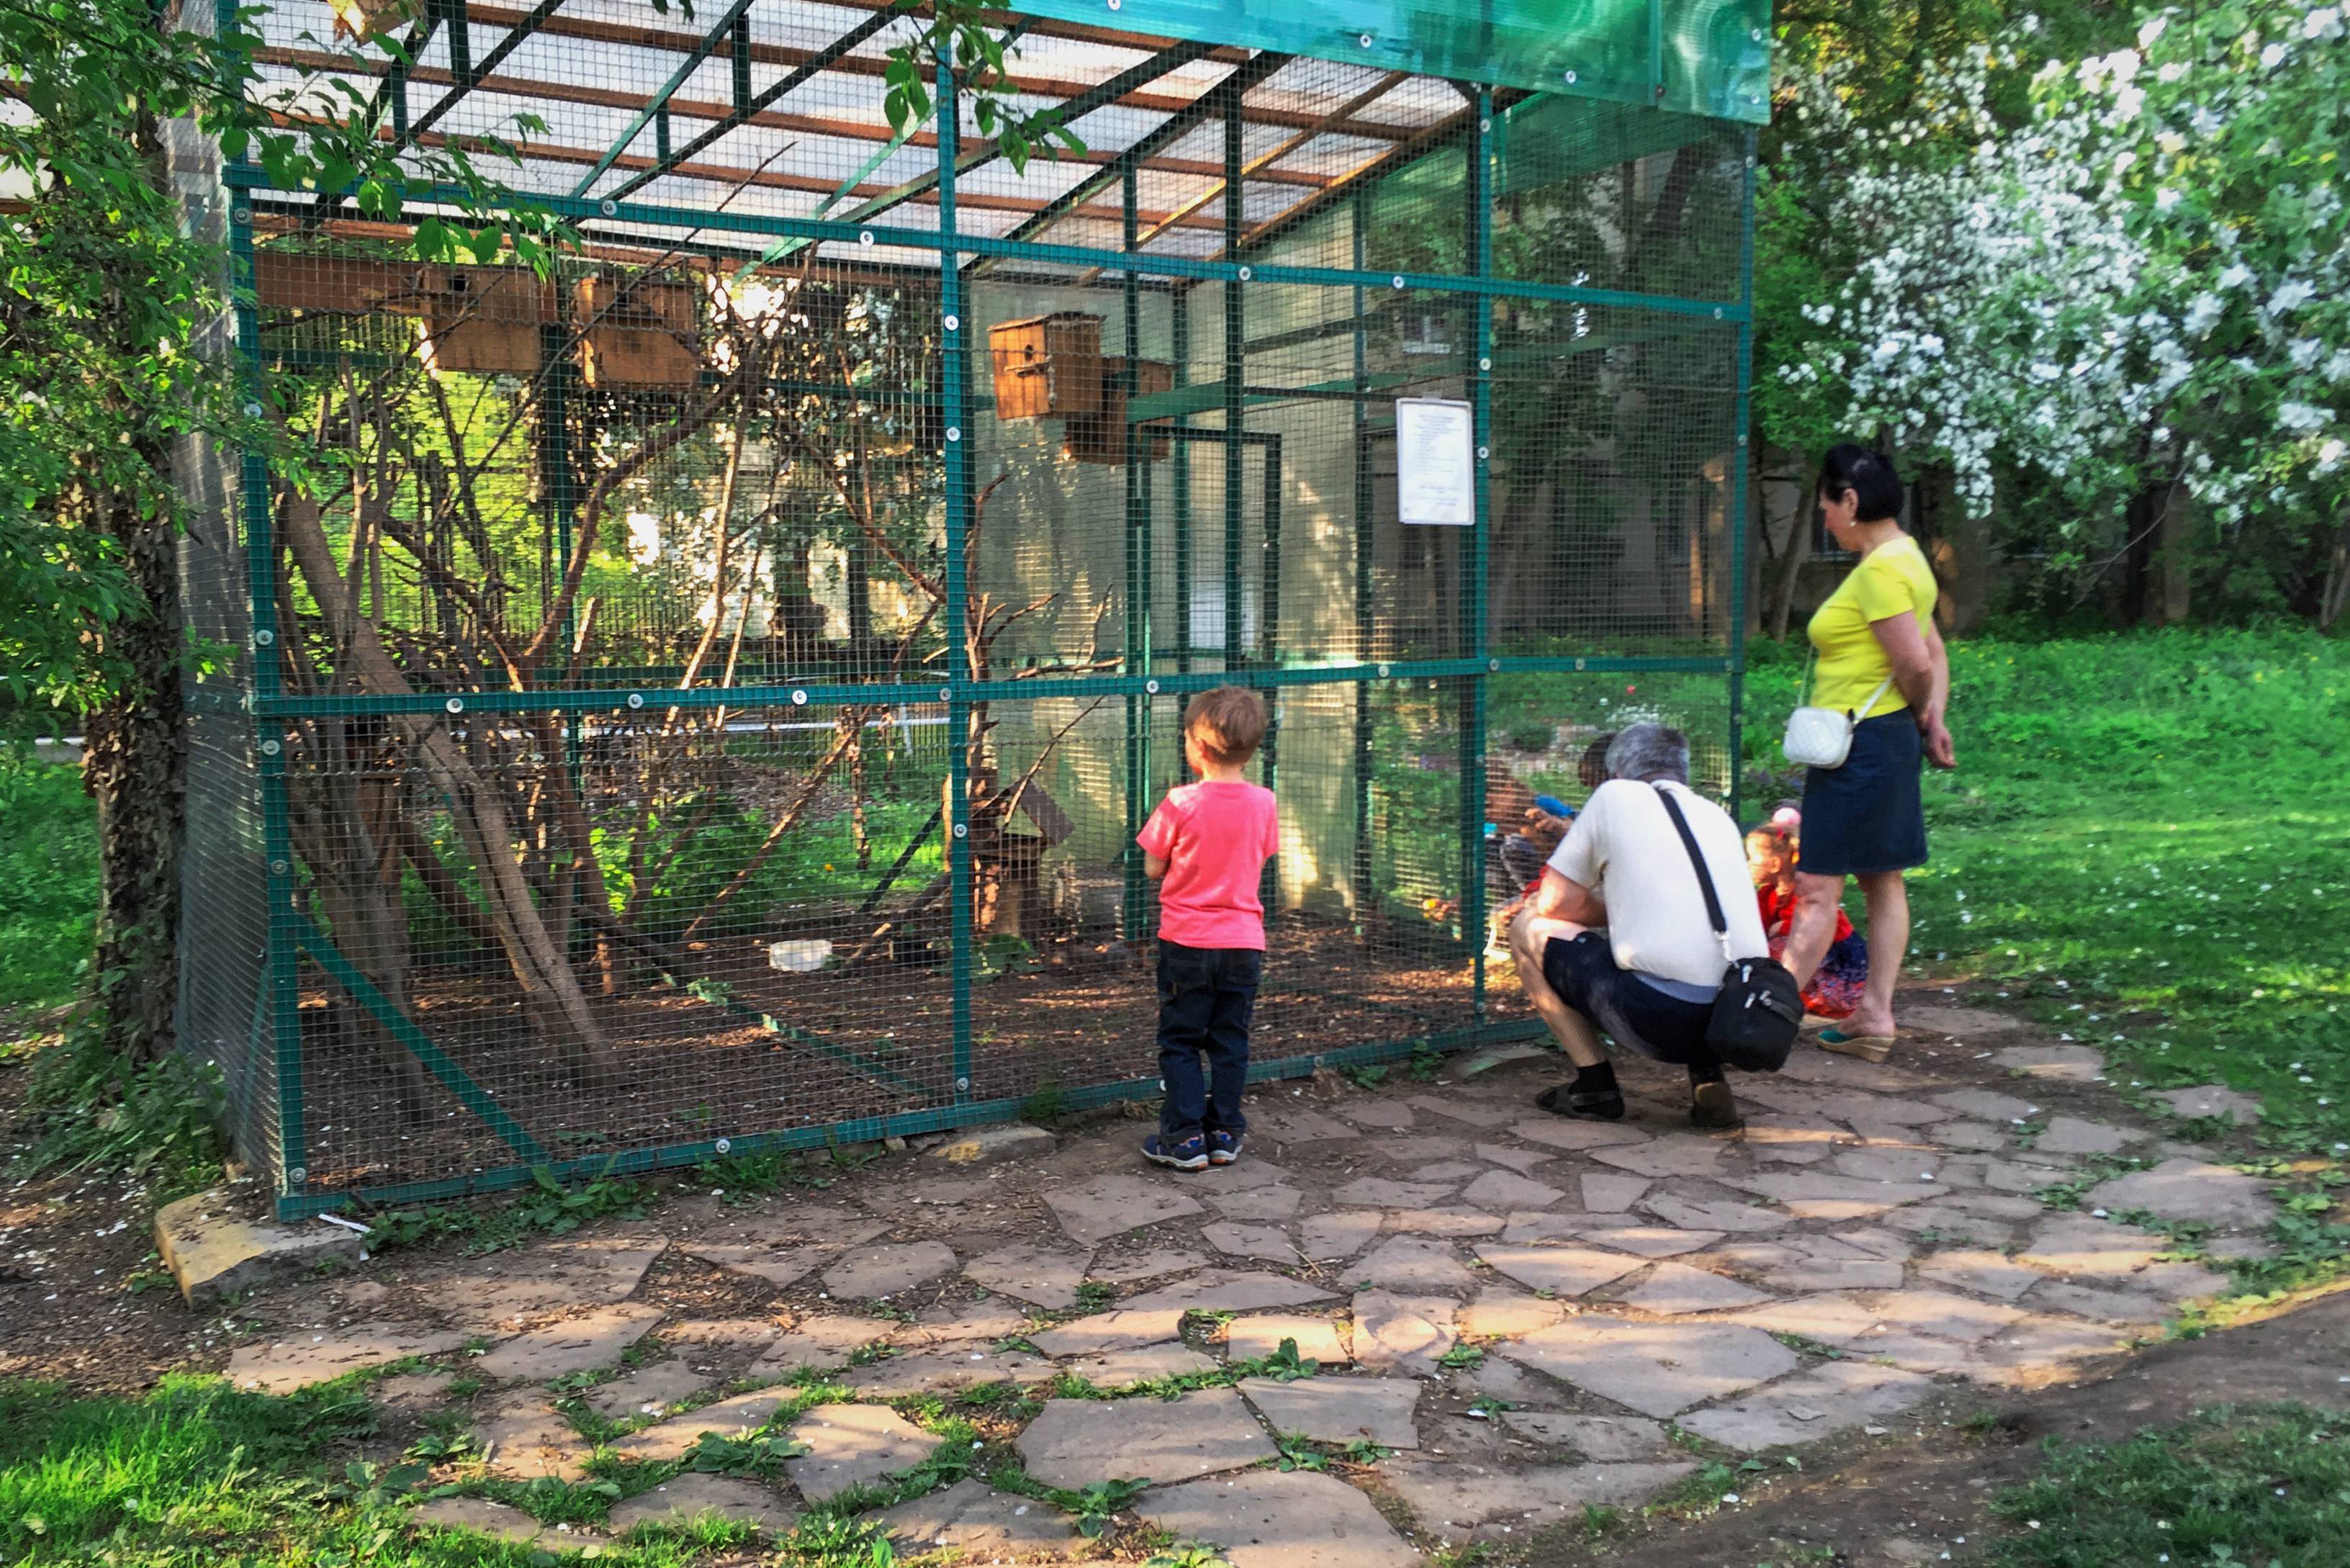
<point x="1626" y="1008"/>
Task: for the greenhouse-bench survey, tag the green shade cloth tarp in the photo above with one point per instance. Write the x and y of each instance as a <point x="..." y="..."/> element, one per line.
<point x="1693" y="56"/>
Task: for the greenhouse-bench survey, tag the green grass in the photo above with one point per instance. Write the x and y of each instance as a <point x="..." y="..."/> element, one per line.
<point x="48" y="881"/>
<point x="2264" y="1485"/>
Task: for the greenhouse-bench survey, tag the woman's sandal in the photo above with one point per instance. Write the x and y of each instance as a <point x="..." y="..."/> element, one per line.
<point x="1562" y="1100"/>
<point x="1867" y="1047"/>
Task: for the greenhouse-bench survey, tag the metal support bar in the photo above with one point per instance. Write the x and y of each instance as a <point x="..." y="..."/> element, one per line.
<point x="1366" y="560"/>
<point x="1179" y="320"/>
<point x="556" y="477"/>
<point x="1474" y="566"/>
<point x="1735" y="504"/>
<point x="741" y="62"/>
<point x="461" y="40"/>
<point x="1165" y="134"/>
<point x="418" y="1044"/>
<point x="1137" y="545"/>
<point x="1235" y="374"/>
<point x="955" y="383"/>
<point x="464" y="79"/>
<point x="797" y="77"/>
<point x="678" y="78"/>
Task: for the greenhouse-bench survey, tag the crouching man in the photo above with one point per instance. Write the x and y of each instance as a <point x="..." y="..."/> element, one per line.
<point x="1617" y="940"/>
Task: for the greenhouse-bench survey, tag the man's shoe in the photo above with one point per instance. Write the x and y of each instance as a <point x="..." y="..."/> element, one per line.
<point x="1711" y="1105"/>
<point x="1224" y="1148"/>
<point x="1567" y="1100"/>
<point x="1186" y="1153"/>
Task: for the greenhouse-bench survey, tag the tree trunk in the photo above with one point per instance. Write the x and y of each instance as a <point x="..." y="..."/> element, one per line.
<point x="1794" y="506"/>
<point x="134" y="765"/>
<point x="1962" y="557"/>
<point x="2172" y="593"/>
<point x="2336" y="599"/>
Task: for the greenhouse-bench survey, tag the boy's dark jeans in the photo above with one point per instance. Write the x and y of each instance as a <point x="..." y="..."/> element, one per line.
<point x="1205" y="998"/>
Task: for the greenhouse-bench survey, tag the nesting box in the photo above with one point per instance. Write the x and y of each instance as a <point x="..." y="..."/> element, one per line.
<point x="1047" y="365"/>
<point x="484" y="319"/>
<point x="638" y="333"/>
<point x="1101" y="438"/>
<point x="288" y="278"/>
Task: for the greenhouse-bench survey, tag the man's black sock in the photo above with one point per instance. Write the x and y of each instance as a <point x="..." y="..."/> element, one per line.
<point x="1599" y="1079"/>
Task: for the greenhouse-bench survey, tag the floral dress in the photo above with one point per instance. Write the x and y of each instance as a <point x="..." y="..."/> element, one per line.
<point x="1835" y="989"/>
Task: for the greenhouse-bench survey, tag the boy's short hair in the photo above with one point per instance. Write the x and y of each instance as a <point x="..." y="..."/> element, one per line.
<point x="1593" y="769"/>
<point x="1229" y="723"/>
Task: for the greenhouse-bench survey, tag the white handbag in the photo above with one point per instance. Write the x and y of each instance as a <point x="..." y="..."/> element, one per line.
<point x="1821" y="737"/>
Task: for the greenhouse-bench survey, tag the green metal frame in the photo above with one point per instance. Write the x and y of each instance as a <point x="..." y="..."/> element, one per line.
<point x="1259" y="662"/>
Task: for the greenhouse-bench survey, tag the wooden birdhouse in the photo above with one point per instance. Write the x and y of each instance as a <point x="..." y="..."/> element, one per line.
<point x="638" y="333"/>
<point x="1101" y="438"/>
<point x="1010" y="830"/>
<point x="1047" y="365"/>
<point x="484" y="320"/>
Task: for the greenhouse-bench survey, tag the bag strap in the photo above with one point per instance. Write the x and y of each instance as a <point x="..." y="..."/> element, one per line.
<point x="1857" y="715"/>
<point x="1697" y="860"/>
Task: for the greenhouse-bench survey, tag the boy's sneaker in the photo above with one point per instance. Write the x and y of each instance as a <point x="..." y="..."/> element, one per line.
<point x="1224" y="1148"/>
<point x="1185" y="1154"/>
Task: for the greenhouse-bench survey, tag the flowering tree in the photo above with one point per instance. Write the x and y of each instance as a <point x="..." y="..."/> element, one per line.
<point x="2137" y="292"/>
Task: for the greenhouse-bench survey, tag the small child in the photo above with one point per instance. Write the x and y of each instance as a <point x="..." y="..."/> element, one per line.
<point x="1772" y="851"/>
<point x="1206" y="847"/>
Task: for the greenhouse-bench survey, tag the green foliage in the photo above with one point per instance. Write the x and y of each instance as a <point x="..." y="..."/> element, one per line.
<point x="159" y="1122"/>
<point x="48" y="880"/>
<point x="1097" y="1505"/>
<point x="761" y="1454"/>
<point x="546" y="1208"/>
<point x="2243" y="1485"/>
<point x="1462" y="1358"/>
<point x="1187" y="1555"/>
<point x="1285" y="1365"/>
<point x="959" y="39"/>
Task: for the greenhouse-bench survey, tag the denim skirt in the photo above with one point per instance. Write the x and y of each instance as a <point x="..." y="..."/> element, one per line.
<point x="1867" y="816"/>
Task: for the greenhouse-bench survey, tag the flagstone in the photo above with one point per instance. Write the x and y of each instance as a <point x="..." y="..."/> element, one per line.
<point x="1504" y="1191"/>
<point x="675" y="1438"/>
<point x="1141" y="1363"/>
<point x="1120" y="1329"/>
<point x="679" y="1501"/>
<point x="1981" y="1138"/>
<point x="1593" y="1438"/>
<point x="1818" y="1195"/>
<point x="1461" y="1108"/>
<point x="1447" y="1495"/>
<point x="1040" y="1275"/>
<point x="1339" y="1409"/>
<point x="1255" y="1338"/>
<point x="1218" y="1292"/>
<point x="295" y="1362"/>
<point x="1850" y="1072"/>
<point x="2065" y="1064"/>
<point x="851" y="1445"/>
<point x="1950" y="1224"/>
<point x="824" y="1340"/>
<point x="1277" y="1519"/>
<point x="1676" y="1290"/>
<point x="1667" y="1156"/>
<point x="1451" y="1172"/>
<point x="524" y="1434"/>
<point x="1424" y="1150"/>
<point x="2211" y="1100"/>
<point x="1876" y="1243"/>
<point x="1300" y="1125"/>
<point x="2036" y="1352"/>
<point x="1501" y="1312"/>
<point x="1608" y="1194"/>
<point x="1386" y="1115"/>
<point x="2080" y="1245"/>
<point x="1444" y="1222"/>
<point x="2127" y="1308"/>
<point x="1524" y="1161"/>
<point x="1657" y="1369"/>
<point x="1267" y="1242"/>
<point x="944" y="1370"/>
<point x="1379" y="1192"/>
<point x="1989" y="1104"/>
<point x="2071" y="1135"/>
<point x="1987" y="1272"/>
<point x="1939" y="1313"/>
<point x="974" y="1522"/>
<point x="1651" y="1241"/>
<point x="1913" y="1352"/>
<point x="875" y="1272"/>
<point x="499" y="1521"/>
<point x="1833" y="1317"/>
<point x="1715" y="1217"/>
<point x="1153" y="1263"/>
<point x="1097" y="1210"/>
<point x="1408" y="1265"/>
<point x="2185" y="1187"/>
<point x="1832" y="1398"/>
<point x="1077" y="1443"/>
<point x="1562" y="1270"/>
<point x="555" y="1276"/>
<point x="647" y="1391"/>
<point x="1816" y="1273"/>
<point x="1563" y="1132"/>
<point x="580" y="1344"/>
<point x="1272" y="1202"/>
<point x="1327" y="1237"/>
<point x="781" y="1267"/>
<point x="1402" y="1334"/>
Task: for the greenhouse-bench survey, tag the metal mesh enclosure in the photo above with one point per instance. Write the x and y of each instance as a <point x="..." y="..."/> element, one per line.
<point x="701" y="699"/>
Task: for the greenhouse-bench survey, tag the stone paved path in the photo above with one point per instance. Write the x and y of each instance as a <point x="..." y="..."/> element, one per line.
<point x="1499" y="1310"/>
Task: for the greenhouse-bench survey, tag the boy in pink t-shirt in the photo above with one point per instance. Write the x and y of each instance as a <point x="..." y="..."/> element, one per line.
<point x="1206" y="847"/>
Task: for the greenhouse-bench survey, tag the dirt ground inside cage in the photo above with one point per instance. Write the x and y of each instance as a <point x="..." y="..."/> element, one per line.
<point x="748" y="1049"/>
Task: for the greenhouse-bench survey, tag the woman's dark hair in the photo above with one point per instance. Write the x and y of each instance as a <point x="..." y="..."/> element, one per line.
<point x="1868" y="476"/>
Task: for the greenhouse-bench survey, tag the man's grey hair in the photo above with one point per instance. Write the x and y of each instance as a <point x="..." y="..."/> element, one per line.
<point x="1643" y="753"/>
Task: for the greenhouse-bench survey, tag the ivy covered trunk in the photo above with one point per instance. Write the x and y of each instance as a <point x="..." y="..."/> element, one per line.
<point x="135" y="767"/>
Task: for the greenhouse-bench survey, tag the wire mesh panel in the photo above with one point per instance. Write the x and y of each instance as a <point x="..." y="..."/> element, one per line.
<point x="700" y="694"/>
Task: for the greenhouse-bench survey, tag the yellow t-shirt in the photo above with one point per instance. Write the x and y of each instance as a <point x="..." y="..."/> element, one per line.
<point x="1890" y="579"/>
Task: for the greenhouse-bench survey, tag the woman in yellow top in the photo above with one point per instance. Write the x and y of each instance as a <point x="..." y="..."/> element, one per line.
<point x="1880" y="659"/>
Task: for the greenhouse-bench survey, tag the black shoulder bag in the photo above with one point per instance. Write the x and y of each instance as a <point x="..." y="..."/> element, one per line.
<point x="1759" y="1010"/>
